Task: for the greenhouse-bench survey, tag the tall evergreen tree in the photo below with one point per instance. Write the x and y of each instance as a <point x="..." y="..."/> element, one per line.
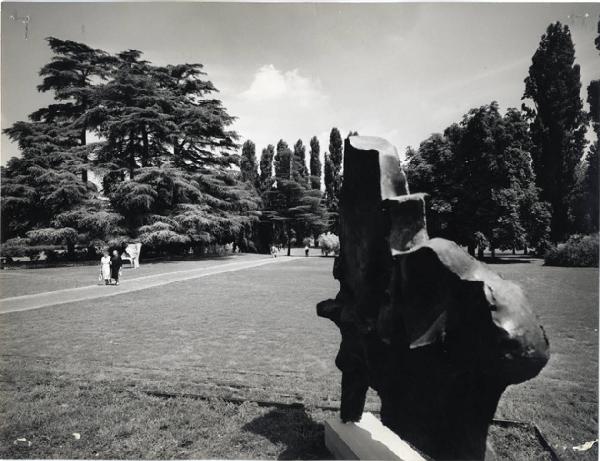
<point x="290" y="204"/>
<point x="201" y="136"/>
<point x="158" y="123"/>
<point x="248" y="166"/>
<point x="299" y="170"/>
<point x="334" y="171"/>
<point x="329" y="178"/>
<point x="47" y="179"/>
<point x="37" y="187"/>
<point x="70" y="76"/>
<point x="558" y="122"/>
<point x="283" y="161"/>
<point x="266" y="167"/>
<point x="336" y="149"/>
<point x="592" y="191"/>
<point x="151" y="115"/>
<point x="315" y="163"/>
<point x="336" y="155"/>
<point x="133" y="113"/>
<point x="282" y="202"/>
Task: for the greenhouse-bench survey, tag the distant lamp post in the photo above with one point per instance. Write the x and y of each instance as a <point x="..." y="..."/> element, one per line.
<point x="24" y="20"/>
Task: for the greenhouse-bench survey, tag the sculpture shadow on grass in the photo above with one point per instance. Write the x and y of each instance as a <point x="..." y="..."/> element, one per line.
<point x="302" y="437"/>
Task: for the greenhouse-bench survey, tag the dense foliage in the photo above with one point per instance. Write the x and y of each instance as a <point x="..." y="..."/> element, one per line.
<point x="582" y="250"/>
<point x="333" y="175"/>
<point x="315" y="163"/>
<point x="558" y="124"/>
<point x="519" y="180"/>
<point x="591" y="194"/>
<point x="577" y="251"/>
<point x="292" y="208"/>
<point x="166" y="159"/>
<point x="329" y="243"/>
<point x="166" y="170"/>
<point x="479" y="176"/>
<point x="248" y="165"/>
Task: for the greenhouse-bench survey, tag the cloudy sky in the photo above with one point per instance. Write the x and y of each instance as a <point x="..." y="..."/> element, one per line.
<point x="400" y="71"/>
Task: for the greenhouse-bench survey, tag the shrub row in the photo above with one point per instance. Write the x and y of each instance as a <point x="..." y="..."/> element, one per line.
<point x="578" y="251"/>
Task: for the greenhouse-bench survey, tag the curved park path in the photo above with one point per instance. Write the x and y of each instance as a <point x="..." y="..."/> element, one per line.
<point x="79" y="293"/>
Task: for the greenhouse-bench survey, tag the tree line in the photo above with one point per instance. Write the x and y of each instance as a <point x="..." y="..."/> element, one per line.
<point x="522" y="180"/>
<point x="171" y="175"/>
<point x="295" y="206"/>
<point x="174" y="176"/>
<point x="166" y="156"/>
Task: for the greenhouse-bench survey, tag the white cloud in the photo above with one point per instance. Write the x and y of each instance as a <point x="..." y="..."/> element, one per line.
<point x="278" y="104"/>
<point x="271" y="84"/>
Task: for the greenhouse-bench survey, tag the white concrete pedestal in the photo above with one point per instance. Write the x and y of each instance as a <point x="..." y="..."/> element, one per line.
<point x="367" y="439"/>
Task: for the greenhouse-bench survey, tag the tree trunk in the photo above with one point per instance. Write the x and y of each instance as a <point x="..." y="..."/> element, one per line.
<point x="82" y="136"/>
<point x="91" y="252"/>
<point x="131" y="158"/>
<point x="176" y="148"/>
<point x="480" y="252"/>
<point x="289" y="239"/>
<point x="514" y="251"/>
<point x="525" y="250"/>
<point x="131" y="165"/>
<point x="493" y="251"/>
<point x="146" y="152"/>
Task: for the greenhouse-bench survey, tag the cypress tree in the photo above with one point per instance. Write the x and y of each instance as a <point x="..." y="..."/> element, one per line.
<point x="266" y="167"/>
<point x="558" y="122"/>
<point x="315" y="164"/>
<point x="248" y="166"/>
<point x="299" y="170"/>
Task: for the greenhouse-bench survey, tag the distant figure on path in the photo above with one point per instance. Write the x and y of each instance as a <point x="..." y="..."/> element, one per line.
<point x="274" y="251"/>
<point x="306" y="251"/>
<point x="105" y="267"/>
<point x="115" y="266"/>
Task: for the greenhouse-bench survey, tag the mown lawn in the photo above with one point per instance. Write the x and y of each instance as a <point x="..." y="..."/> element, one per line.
<point x="563" y="400"/>
<point x="19" y="282"/>
<point x="92" y="367"/>
<point x="104" y="420"/>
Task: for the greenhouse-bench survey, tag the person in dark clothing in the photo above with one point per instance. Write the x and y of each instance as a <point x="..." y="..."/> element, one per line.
<point x="115" y="266"/>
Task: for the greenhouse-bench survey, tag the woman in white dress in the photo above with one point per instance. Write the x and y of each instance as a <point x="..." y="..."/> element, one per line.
<point x="105" y="267"/>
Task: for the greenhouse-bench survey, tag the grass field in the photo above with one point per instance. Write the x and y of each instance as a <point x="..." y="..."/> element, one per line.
<point x="95" y="368"/>
<point x="19" y="282"/>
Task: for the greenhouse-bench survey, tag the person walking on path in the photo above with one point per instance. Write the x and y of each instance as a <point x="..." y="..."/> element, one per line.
<point x="306" y="250"/>
<point x="115" y="266"/>
<point x="105" y="267"/>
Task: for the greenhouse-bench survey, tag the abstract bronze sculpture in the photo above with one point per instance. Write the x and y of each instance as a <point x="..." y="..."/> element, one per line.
<point x="435" y="332"/>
